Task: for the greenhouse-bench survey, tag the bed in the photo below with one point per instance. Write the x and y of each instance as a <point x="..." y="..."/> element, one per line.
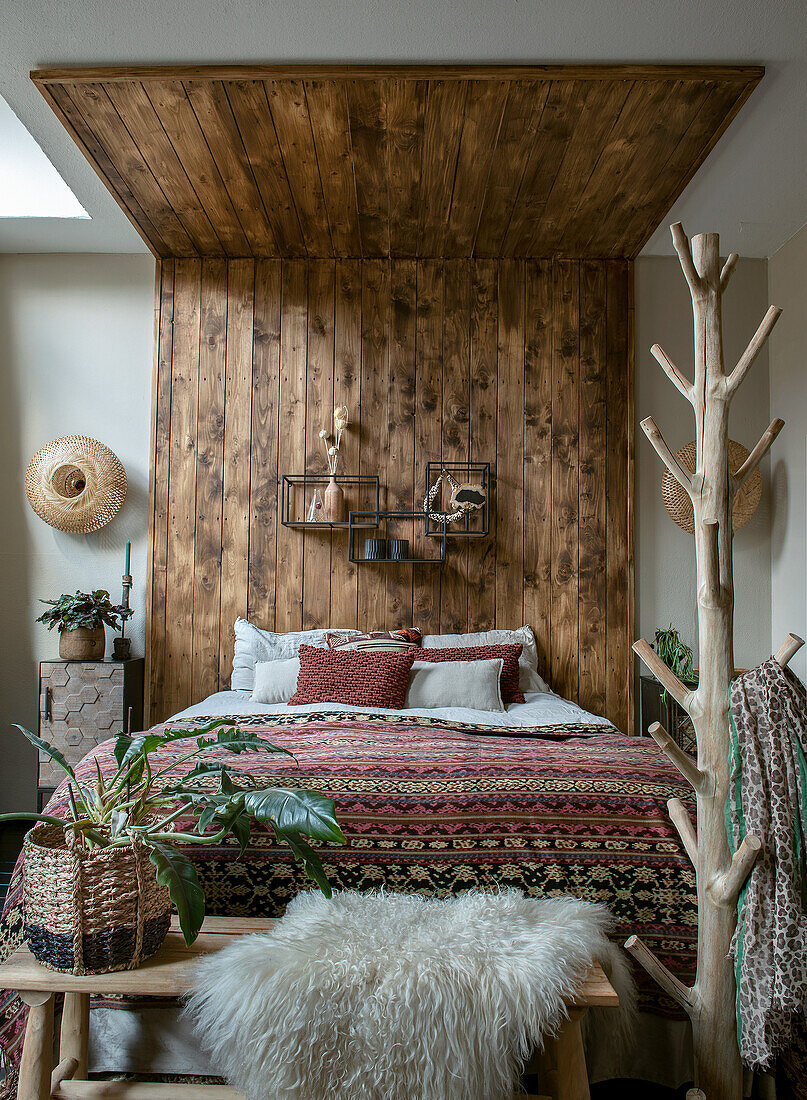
<point x="544" y="796"/>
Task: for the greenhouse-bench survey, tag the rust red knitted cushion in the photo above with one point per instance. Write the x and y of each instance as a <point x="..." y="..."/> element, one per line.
<point x="508" y="653"/>
<point x="355" y="678"/>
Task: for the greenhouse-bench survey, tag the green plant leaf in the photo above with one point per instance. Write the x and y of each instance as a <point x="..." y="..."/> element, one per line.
<point x="119" y="819"/>
<point x="309" y="859"/>
<point x="178" y="873"/>
<point x="241" y="829"/>
<point x="293" y="810"/>
<point x="52" y="752"/>
<point x="214" y="767"/>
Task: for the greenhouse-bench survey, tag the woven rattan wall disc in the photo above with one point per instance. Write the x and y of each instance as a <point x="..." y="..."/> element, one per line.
<point x="679" y="506"/>
<point x="75" y="484"/>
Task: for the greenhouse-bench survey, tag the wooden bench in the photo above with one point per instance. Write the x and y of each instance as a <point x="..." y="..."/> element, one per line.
<point x="561" y="1065"/>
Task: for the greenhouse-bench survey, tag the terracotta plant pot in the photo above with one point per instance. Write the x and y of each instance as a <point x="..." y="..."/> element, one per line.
<point x="82" y="644"/>
<point x="334" y="502"/>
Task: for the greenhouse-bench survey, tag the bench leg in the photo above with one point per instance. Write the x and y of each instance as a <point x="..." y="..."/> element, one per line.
<point x="572" y="1079"/>
<point x="37" y="1050"/>
<point x="75" y="1034"/>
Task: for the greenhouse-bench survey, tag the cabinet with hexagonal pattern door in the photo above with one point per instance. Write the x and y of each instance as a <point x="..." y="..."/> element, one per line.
<point x="81" y="704"/>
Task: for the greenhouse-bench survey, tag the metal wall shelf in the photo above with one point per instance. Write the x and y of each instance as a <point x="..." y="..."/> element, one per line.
<point x="475" y="525"/>
<point x="366" y="489"/>
<point x="359" y="521"/>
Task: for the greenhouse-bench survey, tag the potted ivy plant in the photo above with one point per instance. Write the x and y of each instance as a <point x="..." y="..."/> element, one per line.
<point x="81" y="619"/>
<point x="675" y="654"/>
<point x="99" y="884"/>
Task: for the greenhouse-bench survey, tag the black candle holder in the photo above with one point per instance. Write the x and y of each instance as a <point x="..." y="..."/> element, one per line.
<point x="398" y="549"/>
<point x="375" y="549"/>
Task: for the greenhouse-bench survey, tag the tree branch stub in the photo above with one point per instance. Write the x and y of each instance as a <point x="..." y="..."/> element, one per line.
<point x="755" y="346"/>
<point x="683" y="823"/>
<point x="681" y="246"/>
<point x="728" y="270"/>
<point x="788" y="650"/>
<point x="682" y="760"/>
<point x="725" y="889"/>
<point x="763" y="446"/>
<point x="664" y="674"/>
<point x="680" y="993"/>
<point x="678" y="379"/>
<point x="662" y="449"/>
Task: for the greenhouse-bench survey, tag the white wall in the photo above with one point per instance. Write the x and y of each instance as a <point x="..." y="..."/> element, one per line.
<point x="787" y="284"/>
<point x="665" y="561"/>
<point x="76" y="335"/>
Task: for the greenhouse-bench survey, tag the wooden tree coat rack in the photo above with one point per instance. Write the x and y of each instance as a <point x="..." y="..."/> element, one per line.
<point x="710" y="1003"/>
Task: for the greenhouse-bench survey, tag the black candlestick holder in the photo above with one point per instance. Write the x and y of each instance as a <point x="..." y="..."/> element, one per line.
<point x="122" y="646"/>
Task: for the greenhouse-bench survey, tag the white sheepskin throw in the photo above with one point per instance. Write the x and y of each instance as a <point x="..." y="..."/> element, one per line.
<point x="398" y="997"/>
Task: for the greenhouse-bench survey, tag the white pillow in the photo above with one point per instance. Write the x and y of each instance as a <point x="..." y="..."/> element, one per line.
<point x="529" y="678"/>
<point x="472" y="684"/>
<point x="253" y="645"/>
<point x="275" y="681"/>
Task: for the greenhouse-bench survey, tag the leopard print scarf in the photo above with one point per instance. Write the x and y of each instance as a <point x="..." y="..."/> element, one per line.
<point x="768" y="797"/>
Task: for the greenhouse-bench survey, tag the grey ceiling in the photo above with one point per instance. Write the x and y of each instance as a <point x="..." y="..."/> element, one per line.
<point x="751" y="189"/>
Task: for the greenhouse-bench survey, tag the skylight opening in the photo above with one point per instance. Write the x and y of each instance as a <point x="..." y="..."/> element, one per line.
<point x="30" y="187"/>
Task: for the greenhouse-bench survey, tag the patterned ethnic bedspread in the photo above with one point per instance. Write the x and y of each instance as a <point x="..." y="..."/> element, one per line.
<point x="437" y="807"/>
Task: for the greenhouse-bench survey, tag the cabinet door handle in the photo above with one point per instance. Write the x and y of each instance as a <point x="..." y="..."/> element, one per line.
<point x="44" y="705"/>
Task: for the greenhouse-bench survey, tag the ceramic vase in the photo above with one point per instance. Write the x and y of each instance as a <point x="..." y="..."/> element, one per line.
<point x="334" y="502"/>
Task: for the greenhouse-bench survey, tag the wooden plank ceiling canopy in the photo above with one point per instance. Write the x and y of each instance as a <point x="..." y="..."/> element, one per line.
<point x="405" y="161"/>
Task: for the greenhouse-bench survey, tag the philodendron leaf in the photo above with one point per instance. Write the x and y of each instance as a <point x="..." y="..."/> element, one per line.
<point x="52" y="752"/>
<point x="310" y="861"/>
<point x="122" y="743"/>
<point x="291" y="810"/>
<point x="178" y="873"/>
<point x="240" y="829"/>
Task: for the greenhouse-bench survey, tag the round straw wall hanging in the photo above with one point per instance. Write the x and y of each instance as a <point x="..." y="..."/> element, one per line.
<point x="679" y="506"/>
<point x="75" y="484"/>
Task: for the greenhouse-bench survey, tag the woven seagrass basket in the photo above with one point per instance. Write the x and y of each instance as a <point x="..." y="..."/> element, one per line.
<point x="90" y="911"/>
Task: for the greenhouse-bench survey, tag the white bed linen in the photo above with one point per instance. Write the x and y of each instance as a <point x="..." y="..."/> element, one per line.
<point x="539" y="709"/>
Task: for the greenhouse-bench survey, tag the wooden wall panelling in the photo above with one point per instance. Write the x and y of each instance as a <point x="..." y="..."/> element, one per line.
<point x="289" y="110"/>
<point x="491" y="161"/>
<point x="263" y="482"/>
<point x="375" y="443"/>
<point x="215" y="116"/>
<point x="484" y="108"/>
<point x="538" y="515"/>
<point x="130" y="164"/>
<point x="510" y="441"/>
<point x="556" y="127"/>
<point x="406" y="120"/>
<point x="158" y="489"/>
<point x="132" y="103"/>
<point x="179" y="633"/>
<point x="403" y="474"/>
<point x="344" y="584"/>
<point x="484" y="305"/>
<point x="592" y="580"/>
<point x="256" y="128"/>
<point x="330" y="126"/>
<point x="237" y="460"/>
<point x="455" y="415"/>
<point x="619" y="461"/>
<point x="291" y="435"/>
<point x="367" y="107"/>
<point x="524" y="364"/>
<point x="565" y="489"/>
<point x="182" y="126"/>
<point x="210" y="467"/>
<point x="319" y="404"/>
<point x="445" y="110"/>
<point x="428" y="428"/>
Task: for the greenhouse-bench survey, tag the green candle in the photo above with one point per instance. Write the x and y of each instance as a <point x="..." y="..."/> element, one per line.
<point x="128" y="558"/>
